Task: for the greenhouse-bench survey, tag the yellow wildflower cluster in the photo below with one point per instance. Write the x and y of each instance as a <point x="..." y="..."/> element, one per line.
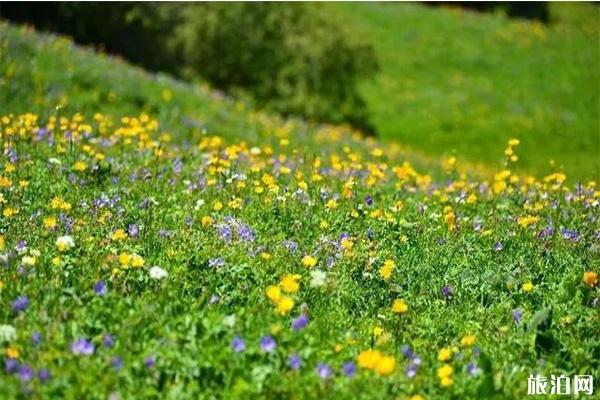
<point x="375" y="360"/>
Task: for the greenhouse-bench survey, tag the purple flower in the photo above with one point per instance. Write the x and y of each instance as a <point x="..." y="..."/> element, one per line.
<point x="108" y="341"/>
<point x="369" y="200"/>
<point x="117" y="363"/>
<point x="20" y="304"/>
<point x="570" y="235"/>
<point x="498" y="246"/>
<point x="225" y="233"/>
<point x="11" y="365"/>
<point x="370" y="233"/>
<point x="82" y="346"/>
<point x="300" y="322"/>
<point x="268" y="344"/>
<point x="25" y="373"/>
<point x="133" y="231"/>
<point x="44" y="375"/>
<point x="472" y="369"/>
<point x="100" y="288"/>
<point x="291" y="245"/>
<point x="517" y="314"/>
<point x="349" y="369"/>
<point x="323" y="371"/>
<point x="406" y="351"/>
<point x="411" y="370"/>
<point x="447" y="291"/>
<point x="546" y="232"/>
<point x="36" y="338"/>
<point x="295" y="361"/>
<point x="237" y="344"/>
<point x="149" y="362"/>
<point x="21" y="246"/>
<point x="216" y="262"/>
<point x="246" y="233"/>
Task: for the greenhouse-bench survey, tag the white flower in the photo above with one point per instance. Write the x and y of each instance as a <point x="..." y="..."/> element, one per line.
<point x="317" y="278"/>
<point x="229" y="320"/>
<point x="64" y="243"/>
<point x="157" y="272"/>
<point x="7" y="333"/>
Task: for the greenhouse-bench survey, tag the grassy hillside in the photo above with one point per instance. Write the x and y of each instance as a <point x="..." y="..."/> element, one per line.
<point x="453" y="81"/>
<point x="158" y="240"/>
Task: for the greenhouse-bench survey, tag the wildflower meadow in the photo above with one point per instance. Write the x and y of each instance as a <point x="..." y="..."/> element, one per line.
<point x="192" y="247"/>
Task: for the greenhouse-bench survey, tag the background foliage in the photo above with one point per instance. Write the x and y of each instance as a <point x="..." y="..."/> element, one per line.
<point x="286" y="57"/>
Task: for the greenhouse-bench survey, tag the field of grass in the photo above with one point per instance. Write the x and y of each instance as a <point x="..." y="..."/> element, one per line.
<point x="458" y="82"/>
<point x="159" y="240"/>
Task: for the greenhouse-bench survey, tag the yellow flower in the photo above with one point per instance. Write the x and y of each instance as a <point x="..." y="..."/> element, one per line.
<point x="527" y="287"/>
<point x="11" y="352"/>
<point x="207" y="221"/>
<point x="386" y="365"/>
<point x="514" y="142"/>
<point x="124" y="259"/>
<point x="273" y="293"/>
<point x="29" y="261"/>
<point x="49" y="222"/>
<point x="217" y="206"/>
<point x="265" y="256"/>
<point x="368" y="358"/>
<point x="347" y="244"/>
<point x="331" y="204"/>
<point x="527" y="220"/>
<point x="119" y="234"/>
<point x="399" y="306"/>
<point x="80" y="166"/>
<point x="323" y="224"/>
<point x="137" y="261"/>
<point x="445" y="371"/>
<point x="290" y="284"/>
<point x="284" y="305"/>
<point x="467" y="341"/>
<point x="2" y="243"/>
<point x="444" y="354"/>
<point x="590" y="278"/>
<point x="445" y="382"/>
<point x="377" y="331"/>
<point x="386" y="270"/>
<point x="9" y="212"/>
<point x="416" y="397"/>
<point x="309" y="261"/>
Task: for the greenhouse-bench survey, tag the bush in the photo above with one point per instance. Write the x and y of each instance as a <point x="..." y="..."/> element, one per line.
<point x="285" y="56"/>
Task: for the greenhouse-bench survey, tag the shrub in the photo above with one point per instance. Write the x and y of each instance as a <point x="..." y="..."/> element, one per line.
<point x="287" y="57"/>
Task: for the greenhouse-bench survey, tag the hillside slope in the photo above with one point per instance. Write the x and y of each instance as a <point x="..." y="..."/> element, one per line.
<point x="458" y="82"/>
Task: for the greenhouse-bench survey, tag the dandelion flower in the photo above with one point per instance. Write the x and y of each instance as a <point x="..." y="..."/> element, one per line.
<point x="399" y="306"/>
<point x="527" y="287"/>
<point x="386" y="270"/>
<point x="309" y="261"/>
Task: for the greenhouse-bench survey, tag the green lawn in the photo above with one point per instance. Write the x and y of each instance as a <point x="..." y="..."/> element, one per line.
<point x="457" y="81"/>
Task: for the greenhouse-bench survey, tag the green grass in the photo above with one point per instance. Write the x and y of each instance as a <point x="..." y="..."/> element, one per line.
<point x="462" y="82"/>
<point x="228" y="201"/>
